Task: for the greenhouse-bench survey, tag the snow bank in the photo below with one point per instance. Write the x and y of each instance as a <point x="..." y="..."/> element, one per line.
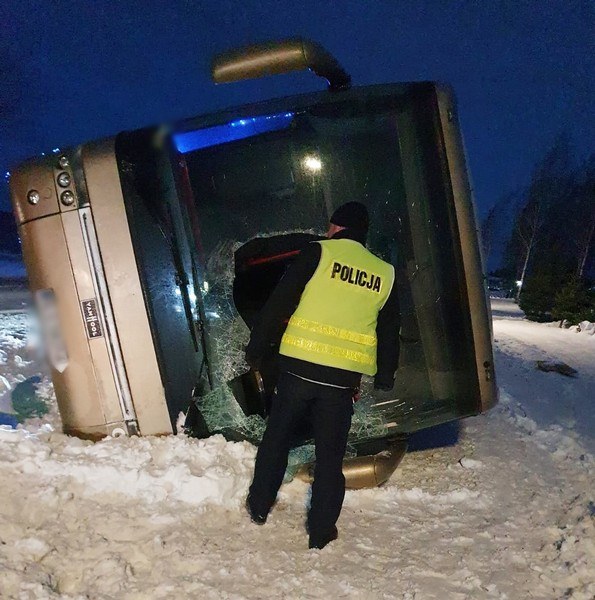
<point x="585" y="327"/>
<point x="560" y="441"/>
<point x="169" y="469"/>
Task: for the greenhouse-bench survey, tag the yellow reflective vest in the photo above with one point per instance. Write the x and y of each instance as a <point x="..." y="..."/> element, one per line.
<point x="335" y="322"/>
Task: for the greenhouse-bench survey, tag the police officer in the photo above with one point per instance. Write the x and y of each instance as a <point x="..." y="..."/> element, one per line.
<point x="341" y="305"/>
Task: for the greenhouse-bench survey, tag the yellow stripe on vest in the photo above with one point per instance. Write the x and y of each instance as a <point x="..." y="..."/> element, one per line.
<point x="331" y="331"/>
<point x="329" y="349"/>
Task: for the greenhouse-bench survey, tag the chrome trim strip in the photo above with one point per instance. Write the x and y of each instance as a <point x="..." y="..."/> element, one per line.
<point x="102" y="295"/>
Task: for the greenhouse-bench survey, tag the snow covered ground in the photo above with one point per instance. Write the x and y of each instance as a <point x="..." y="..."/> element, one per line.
<point x="565" y="404"/>
<point x="507" y="512"/>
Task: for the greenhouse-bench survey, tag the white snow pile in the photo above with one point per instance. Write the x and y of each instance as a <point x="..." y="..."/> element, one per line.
<point x="169" y="469"/>
<point x="585" y="327"/>
<point x="505" y="513"/>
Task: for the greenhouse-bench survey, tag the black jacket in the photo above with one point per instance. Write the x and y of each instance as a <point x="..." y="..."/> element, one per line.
<point x="282" y="304"/>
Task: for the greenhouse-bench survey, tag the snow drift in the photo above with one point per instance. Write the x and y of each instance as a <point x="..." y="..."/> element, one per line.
<point x="505" y="513"/>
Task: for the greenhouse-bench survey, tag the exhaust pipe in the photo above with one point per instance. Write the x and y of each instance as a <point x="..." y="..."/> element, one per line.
<point x="274" y="58"/>
<point x="364" y="471"/>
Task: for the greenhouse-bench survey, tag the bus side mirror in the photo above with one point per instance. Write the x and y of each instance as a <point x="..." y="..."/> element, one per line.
<point x="273" y="58"/>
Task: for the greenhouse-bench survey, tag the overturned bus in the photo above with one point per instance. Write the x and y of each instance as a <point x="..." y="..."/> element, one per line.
<point x="150" y="254"/>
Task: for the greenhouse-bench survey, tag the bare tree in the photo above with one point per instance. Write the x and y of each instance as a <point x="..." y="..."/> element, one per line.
<point x="488" y="227"/>
<point x="586" y="215"/>
<point x="527" y="230"/>
<point x="585" y="241"/>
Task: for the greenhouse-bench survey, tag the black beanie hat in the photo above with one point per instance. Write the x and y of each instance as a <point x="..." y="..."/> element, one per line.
<point x="353" y="215"/>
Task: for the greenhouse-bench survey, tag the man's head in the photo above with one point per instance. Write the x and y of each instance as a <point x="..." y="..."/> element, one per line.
<point x="352" y="216"/>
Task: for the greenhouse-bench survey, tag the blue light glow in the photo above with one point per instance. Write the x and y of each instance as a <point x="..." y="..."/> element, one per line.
<point x="230" y="132"/>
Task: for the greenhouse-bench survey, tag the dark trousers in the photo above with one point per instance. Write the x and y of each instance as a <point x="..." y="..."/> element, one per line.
<point x="329" y="412"/>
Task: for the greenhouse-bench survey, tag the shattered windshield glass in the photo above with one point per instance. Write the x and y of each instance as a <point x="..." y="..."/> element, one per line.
<point x="261" y="195"/>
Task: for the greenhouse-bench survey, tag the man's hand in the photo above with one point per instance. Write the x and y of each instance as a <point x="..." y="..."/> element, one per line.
<point x="254" y="362"/>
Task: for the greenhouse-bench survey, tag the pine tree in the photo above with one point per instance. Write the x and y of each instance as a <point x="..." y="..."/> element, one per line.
<point x="571" y="303"/>
<point x="537" y="297"/>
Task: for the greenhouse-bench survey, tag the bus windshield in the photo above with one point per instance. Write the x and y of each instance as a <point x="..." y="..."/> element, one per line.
<point x="264" y="186"/>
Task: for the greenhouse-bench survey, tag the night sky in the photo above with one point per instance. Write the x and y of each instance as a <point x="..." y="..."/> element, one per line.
<point x="523" y="71"/>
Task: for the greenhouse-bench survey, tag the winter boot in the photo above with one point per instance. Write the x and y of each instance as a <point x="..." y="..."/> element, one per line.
<point x="254" y="516"/>
<point x="318" y="542"/>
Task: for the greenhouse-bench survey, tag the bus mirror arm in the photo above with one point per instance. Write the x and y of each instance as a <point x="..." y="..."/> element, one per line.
<point x="274" y="58"/>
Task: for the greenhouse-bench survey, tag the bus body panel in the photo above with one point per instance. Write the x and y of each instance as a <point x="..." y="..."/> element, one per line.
<point x="93" y="258"/>
<point x="125" y="292"/>
<point x="83" y="397"/>
<point x="471" y="248"/>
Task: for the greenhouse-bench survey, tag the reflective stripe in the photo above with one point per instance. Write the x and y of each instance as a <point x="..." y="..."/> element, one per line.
<point x="338" y="387"/>
<point x="331" y="331"/>
<point x="321" y="348"/>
